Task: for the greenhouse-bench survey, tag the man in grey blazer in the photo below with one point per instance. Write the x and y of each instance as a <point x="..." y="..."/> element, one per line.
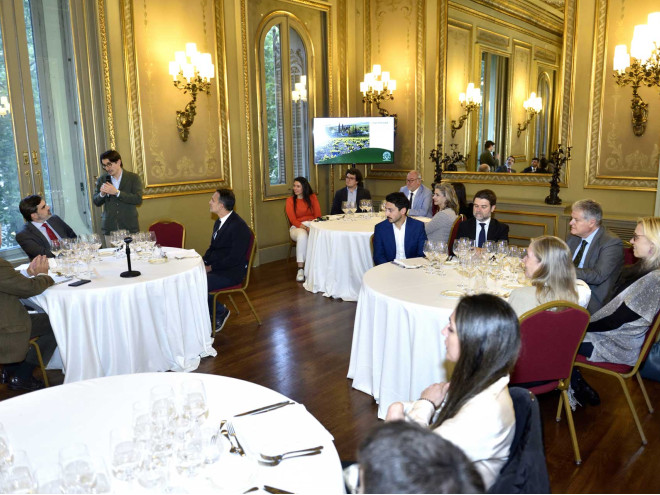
<point x="419" y="196"/>
<point x="120" y="193"/>
<point x="597" y="253"/>
<point x="40" y="228"/>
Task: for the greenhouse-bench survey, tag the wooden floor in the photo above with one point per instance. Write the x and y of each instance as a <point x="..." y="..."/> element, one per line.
<point x="302" y="350"/>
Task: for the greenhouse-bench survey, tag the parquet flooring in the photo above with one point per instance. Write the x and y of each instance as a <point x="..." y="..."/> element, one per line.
<point x="302" y="350"/>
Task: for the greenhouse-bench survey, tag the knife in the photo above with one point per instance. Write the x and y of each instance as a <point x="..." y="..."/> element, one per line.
<point x="272" y="489"/>
<point x="264" y="409"/>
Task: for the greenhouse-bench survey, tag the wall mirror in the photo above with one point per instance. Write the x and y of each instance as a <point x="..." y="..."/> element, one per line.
<point x="509" y="49"/>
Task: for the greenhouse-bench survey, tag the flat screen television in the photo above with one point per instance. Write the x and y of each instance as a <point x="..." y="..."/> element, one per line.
<point x="353" y="140"/>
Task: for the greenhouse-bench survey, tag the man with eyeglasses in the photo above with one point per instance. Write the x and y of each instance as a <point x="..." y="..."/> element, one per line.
<point x="597" y="253"/>
<point x="354" y="191"/>
<point x="419" y="196"/>
<point x="120" y="193"/>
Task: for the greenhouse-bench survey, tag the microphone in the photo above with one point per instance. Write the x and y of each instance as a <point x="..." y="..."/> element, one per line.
<point x="108" y="179"/>
<point x="130" y="273"/>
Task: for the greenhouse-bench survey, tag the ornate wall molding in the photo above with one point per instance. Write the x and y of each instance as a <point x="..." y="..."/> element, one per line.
<point x="103" y="38"/>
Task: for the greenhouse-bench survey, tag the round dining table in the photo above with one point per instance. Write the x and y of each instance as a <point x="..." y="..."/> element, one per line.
<point x="158" y="321"/>
<point x="339" y="254"/>
<point x="43" y="422"/>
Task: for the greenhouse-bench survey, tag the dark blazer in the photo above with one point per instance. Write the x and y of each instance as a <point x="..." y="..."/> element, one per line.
<point x="33" y="242"/>
<point x="601" y="266"/>
<point x="120" y="212"/>
<point x="228" y="251"/>
<point x="497" y="231"/>
<point x="342" y="195"/>
<point x="15" y="324"/>
<point x="385" y="245"/>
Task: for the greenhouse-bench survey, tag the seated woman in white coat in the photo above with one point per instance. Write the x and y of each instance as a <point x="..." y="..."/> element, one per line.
<point x="474" y="411"/>
<point x="549" y="266"/>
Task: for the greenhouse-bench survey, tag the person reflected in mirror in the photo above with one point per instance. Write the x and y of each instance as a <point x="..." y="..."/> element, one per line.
<point x="398" y="237"/>
<point x="545" y="166"/>
<point x="41" y="228"/>
<point x="507" y="168"/>
<point x="464" y="208"/>
<point x="419" y="196"/>
<point x="533" y="167"/>
<point x="484" y="167"/>
<point x="489" y="157"/>
<point x="354" y="191"/>
<point x="301" y="208"/>
<point x="439" y="228"/>
<point x="483" y="227"/>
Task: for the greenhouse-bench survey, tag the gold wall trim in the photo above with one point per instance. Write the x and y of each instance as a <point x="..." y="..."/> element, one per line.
<point x="553" y="216"/>
<point x="593" y="178"/>
<point x="136" y="132"/>
<point x="529" y="13"/>
<point x="103" y="38"/>
<point x="492" y="38"/>
<point x="544" y="55"/>
<point x="246" y="107"/>
<point x="441" y="71"/>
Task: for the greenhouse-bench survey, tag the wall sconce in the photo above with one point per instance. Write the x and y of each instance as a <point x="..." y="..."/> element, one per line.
<point x="533" y="106"/>
<point x="377" y="87"/>
<point x="300" y="91"/>
<point x="191" y="77"/>
<point x="470" y="100"/>
<point x="4" y="106"/>
<point x="641" y="66"/>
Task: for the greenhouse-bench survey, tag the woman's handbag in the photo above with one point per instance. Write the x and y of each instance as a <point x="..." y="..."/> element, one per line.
<point x="651" y="368"/>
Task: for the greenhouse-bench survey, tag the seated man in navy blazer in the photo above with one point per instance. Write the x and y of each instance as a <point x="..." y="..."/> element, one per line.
<point x="482" y="227"/>
<point x="226" y="258"/>
<point x="41" y="228"/>
<point x="398" y="237"/>
<point x="354" y="191"/>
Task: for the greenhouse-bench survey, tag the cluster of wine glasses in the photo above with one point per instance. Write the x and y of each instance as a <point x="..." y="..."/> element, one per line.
<point x="74" y="256"/>
<point x="349" y="208"/>
<point x="367" y="207"/>
<point x="142" y="244"/>
<point x="436" y="252"/>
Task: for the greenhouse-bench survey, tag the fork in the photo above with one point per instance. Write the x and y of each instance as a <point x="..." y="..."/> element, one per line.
<point x="232" y="433"/>
<point x="274" y="460"/>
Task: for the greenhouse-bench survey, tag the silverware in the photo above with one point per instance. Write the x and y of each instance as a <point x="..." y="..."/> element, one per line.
<point x="274" y="460"/>
<point x="264" y="409"/>
<point x="214" y="438"/>
<point x="272" y="489"/>
<point x="232" y="433"/>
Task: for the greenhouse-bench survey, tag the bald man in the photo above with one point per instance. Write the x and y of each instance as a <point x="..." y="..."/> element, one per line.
<point x="418" y="195"/>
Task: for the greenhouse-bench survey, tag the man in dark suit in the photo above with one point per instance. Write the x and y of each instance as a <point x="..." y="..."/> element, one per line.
<point x="226" y="258"/>
<point x="483" y="227"/>
<point x="354" y="191"/>
<point x="597" y="253"/>
<point x="533" y="168"/>
<point x="508" y="166"/>
<point x="40" y="228"/>
<point x="17" y="326"/>
<point x="120" y="193"/>
<point x="398" y="237"/>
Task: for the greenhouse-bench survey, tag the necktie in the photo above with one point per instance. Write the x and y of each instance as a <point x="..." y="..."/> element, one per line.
<point x="482" y="235"/>
<point x="411" y="197"/>
<point x="49" y="231"/>
<point x="217" y="230"/>
<point x="578" y="256"/>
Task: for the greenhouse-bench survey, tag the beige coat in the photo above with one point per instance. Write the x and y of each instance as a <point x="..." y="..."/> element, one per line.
<point x="15" y="323"/>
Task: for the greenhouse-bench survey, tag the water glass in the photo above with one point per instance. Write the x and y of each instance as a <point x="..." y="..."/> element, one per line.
<point x="6" y="454"/>
<point x="125" y="454"/>
<point x="49" y="479"/>
<point x="194" y="400"/>
<point x="189" y="457"/>
<point x="78" y="473"/>
<point x="18" y="478"/>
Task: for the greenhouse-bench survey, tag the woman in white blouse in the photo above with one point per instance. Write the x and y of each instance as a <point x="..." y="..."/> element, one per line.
<point x="474" y="411"/>
<point x="439" y="228"/>
<point x="549" y="265"/>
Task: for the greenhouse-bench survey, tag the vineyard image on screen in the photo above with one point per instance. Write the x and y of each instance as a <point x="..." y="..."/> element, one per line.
<point x="354" y="140"/>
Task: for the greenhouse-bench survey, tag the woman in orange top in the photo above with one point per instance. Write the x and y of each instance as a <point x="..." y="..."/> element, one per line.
<point x="301" y="208"/>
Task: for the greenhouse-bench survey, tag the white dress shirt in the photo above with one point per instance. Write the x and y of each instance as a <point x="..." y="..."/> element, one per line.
<point x="400" y="240"/>
<point x="115" y="182"/>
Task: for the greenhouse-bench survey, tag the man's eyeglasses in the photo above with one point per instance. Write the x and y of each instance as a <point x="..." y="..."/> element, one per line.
<point x="106" y="165"/>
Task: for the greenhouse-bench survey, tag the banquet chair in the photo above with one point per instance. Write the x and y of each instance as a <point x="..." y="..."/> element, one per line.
<point x="623" y="371"/>
<point x="628" y="254"/>
<point x="550" y="336"/>
<point x="169" y="233"/>
<point x="249" y="257"/>
<point x="33" y="343"/>
<point x="453" y="232"/>
<point x="292" y="243"/>
<point x="525" y="470"/>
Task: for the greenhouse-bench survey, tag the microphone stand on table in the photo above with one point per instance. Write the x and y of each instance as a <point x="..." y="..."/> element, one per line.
<point x="130" y="273"/>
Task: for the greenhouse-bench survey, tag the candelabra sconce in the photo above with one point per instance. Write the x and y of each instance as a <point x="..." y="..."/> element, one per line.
<point x="4" y="106"/>
<point x="192" y="72"/>
<point x="378" y="87"/>
<point x="639" y="67"/>
<point x="470" y="100"/>
<point x="533" y="105"/>
<point x="300" y="90"/>
<point x="559" y="158"/>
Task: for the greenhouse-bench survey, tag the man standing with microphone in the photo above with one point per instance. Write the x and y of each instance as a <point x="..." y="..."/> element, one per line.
<point x="120" y="193"/>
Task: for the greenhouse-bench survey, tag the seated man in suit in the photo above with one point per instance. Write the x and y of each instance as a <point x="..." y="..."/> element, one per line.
<point x="40" y="228"/>
<point x="482" y="227"/>
<point x="17" y="327"/>
<point x="508" y="166"/>
<point x="225" y="259"/>
<point x="533" y="168"/>
<point x="398" y="237"/>
<point x="597" y="253"/>
<point x="419" y="196"/>
<point x="354" y="191"/>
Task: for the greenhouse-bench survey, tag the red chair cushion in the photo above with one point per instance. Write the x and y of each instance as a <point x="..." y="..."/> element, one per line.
<point x="545" y="388"/>
<point x="617" y="368"/>
<point x="168" y="234"/>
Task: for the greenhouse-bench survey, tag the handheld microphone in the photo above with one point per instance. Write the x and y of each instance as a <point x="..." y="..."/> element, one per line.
<point x="108" y="179"/>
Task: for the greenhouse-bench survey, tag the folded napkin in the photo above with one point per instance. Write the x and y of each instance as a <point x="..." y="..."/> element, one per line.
<point x="282" y="430"/>
<point x="181" y="253"/>
<point x="413" y="263"/>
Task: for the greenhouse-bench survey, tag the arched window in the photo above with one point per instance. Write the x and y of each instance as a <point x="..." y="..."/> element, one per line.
<point x="285" y="90"/>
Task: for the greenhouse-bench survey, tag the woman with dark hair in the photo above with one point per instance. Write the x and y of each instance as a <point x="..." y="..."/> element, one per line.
<point x="464" y="208"/>
<point x="301" y="208"/>
<point x="474" y="411"/>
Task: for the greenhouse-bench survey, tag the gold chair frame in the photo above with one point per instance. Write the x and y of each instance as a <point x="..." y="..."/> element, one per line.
<point x="169" y="220"/>
<point x="33" y="343"/>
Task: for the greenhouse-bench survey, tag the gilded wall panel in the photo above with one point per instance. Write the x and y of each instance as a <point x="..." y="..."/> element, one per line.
<point x="520" y="90"/>
<point x="168" y="165"/>
<point x="459" y="60"/>
<point x="617" y="159"/>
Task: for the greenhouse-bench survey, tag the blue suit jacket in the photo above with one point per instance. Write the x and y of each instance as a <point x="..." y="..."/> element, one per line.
<point x="385" y="245"/>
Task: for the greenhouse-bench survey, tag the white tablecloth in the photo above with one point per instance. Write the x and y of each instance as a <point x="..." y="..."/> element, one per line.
<point x="155" y="322"/>
<point x="43" y="422"/>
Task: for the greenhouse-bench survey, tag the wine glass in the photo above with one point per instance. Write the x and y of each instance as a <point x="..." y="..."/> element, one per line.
<point x="19" y="477"/>
<point x="55" y="247"/>
<point x="194" y="400"/>
<point x="345" y="207"/>
<point x="364" y="206"/>
<point x="125" y="454"/>
<point x="78" y="475"/>
<point x="490" y="247"/>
